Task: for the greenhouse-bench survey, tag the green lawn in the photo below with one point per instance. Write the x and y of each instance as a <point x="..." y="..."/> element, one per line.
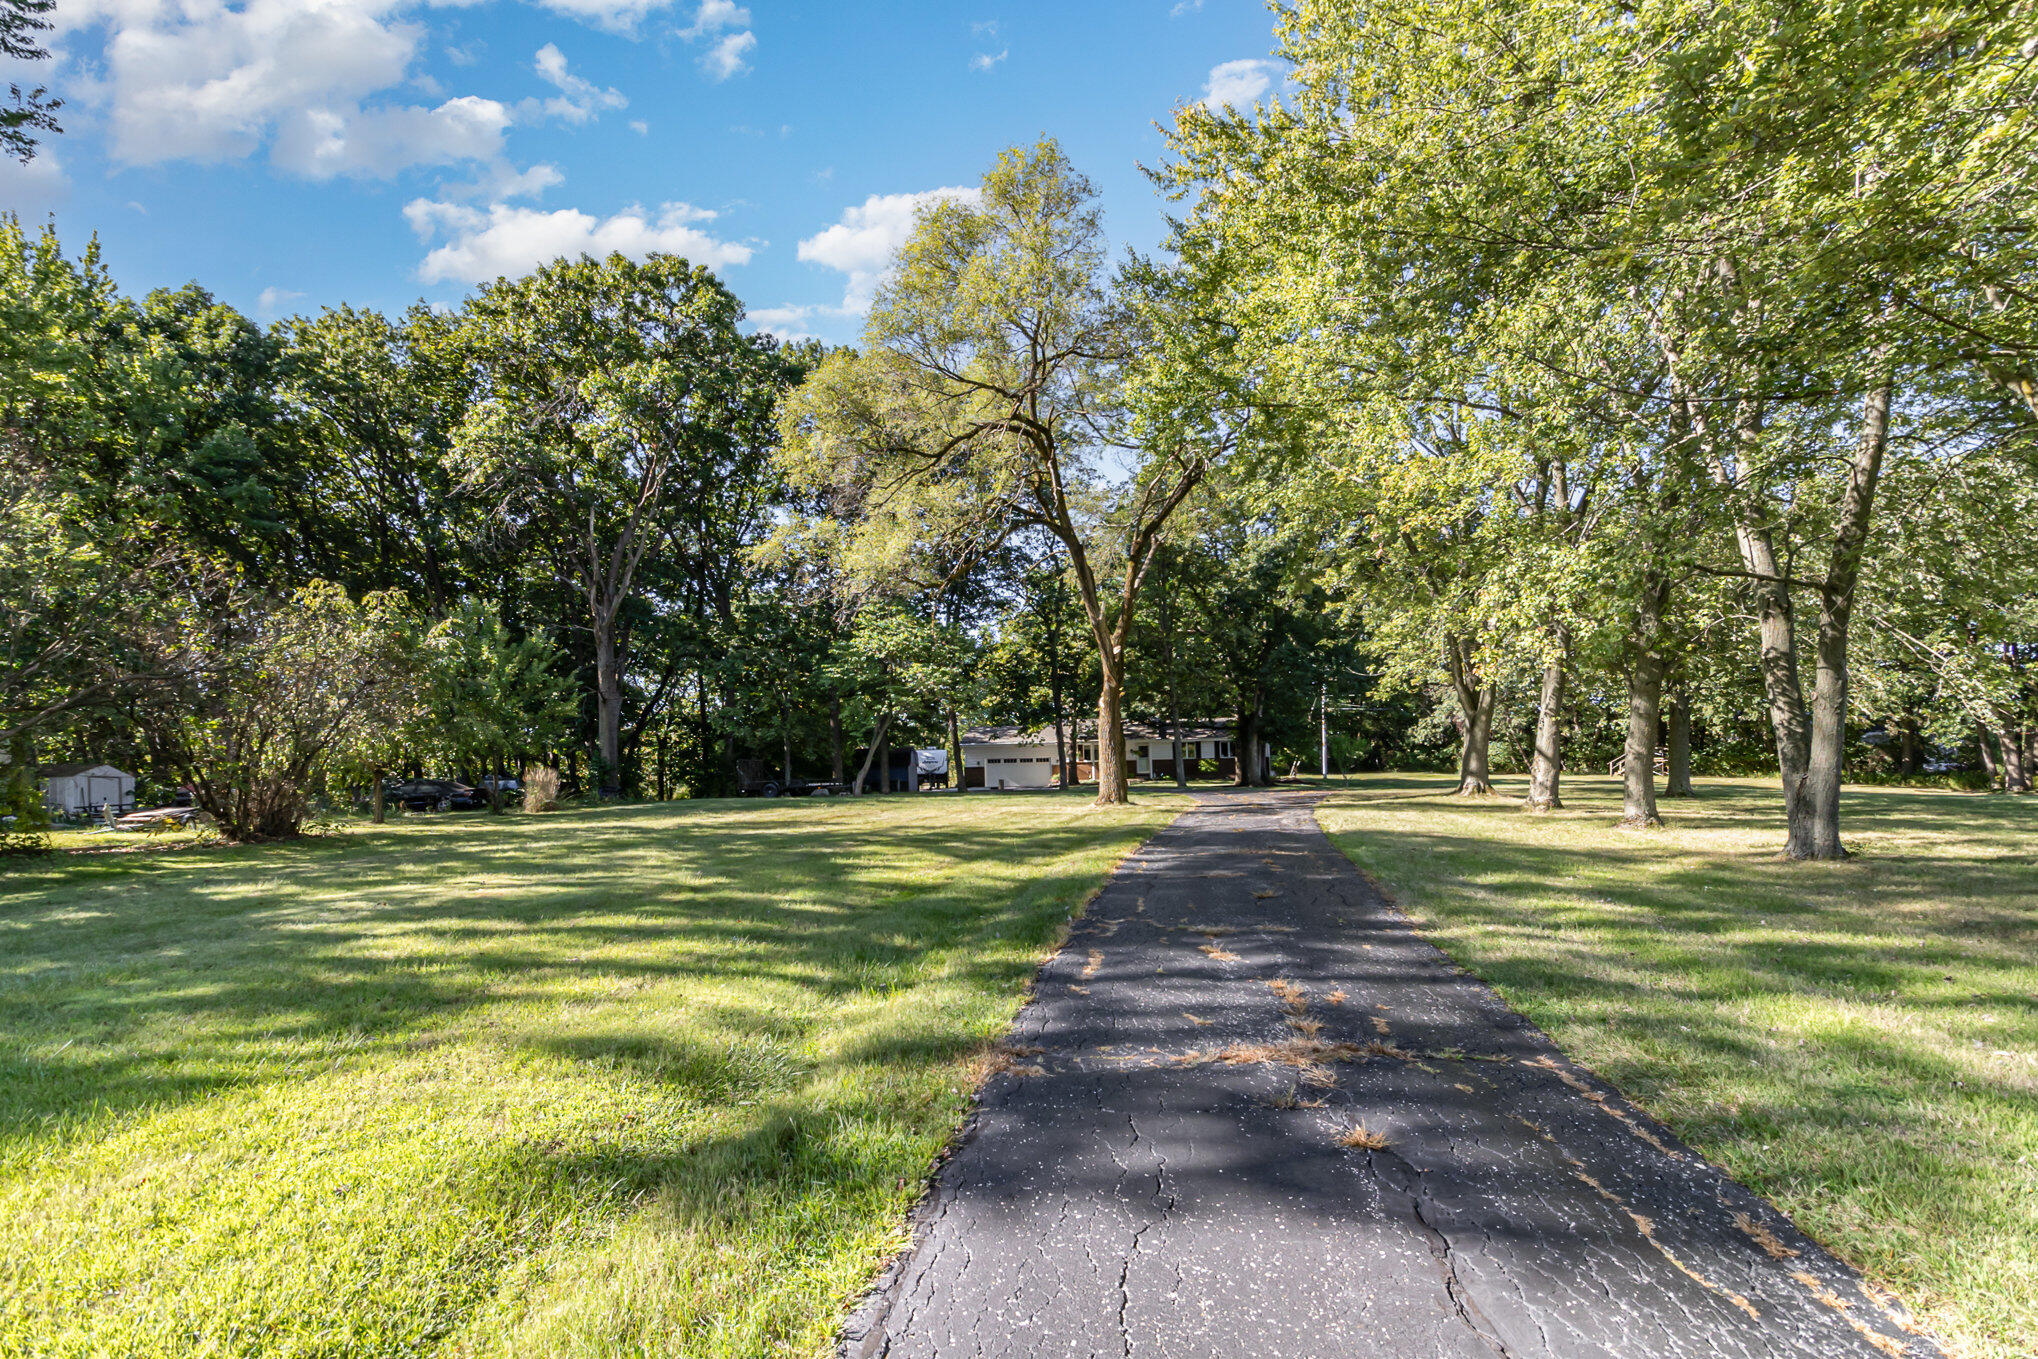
<point x="642" y="1080"/>
<point x="1858" y="1041"/>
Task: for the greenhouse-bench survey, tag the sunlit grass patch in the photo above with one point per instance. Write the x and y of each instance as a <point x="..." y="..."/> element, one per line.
<point x="653" y="1079"/>
<point x="1858" y="1041"/>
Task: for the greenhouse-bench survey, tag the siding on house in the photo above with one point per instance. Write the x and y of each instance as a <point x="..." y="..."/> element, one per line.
<point x="1014" y="757"/>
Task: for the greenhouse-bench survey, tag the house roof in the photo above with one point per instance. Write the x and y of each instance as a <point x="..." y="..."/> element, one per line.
<point x="1201" y="730"/>
<point x="1008" y="736"/>
<point x="65" y="771"/>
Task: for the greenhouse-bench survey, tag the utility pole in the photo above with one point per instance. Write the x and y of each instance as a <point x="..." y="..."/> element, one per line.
<point x="1323" y="712"/>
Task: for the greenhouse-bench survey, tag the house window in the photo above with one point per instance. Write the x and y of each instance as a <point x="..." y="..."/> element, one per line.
<point x="1224" y="750"/>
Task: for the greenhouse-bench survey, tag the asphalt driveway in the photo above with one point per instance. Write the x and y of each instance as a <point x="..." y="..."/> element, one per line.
<point x="1251" y="1112"/>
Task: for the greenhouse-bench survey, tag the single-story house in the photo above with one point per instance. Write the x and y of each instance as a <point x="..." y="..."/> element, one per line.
<point x="82" y="787"/>
<point x="1016" y="757"/>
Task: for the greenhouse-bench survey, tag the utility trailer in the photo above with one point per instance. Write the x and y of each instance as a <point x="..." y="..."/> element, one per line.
<point x="755" y="778"/>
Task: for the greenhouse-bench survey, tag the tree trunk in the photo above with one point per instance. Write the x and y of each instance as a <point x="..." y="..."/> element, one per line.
<point x="1475" y="765"/>
<point x="662" y="744"/>
<point x="1175" y="729"/>
<point x="1986" y="740"/>
<point x="381" y="811"/>
<point x="1061" y="746"/>
<point x="1547" y="771"/>
<point x="785" y="732"/>
<point x="1836" y="611"/>
<point x="1789" y="720"/>
<point x="2016" y="768"/>
<point x="1678" y="781"/>
<point x="884" y="756"/>
<point x="835" y="737"/>
<point x="1907" y="758"/>
<point x="955" y="778"/>
<point x="877" y="739"/>
<point x="1645" y="699"/>
<point x="608" y="706"/>
<point x="1111" y="786"/>
<point x="1245" y="747"/>
<point x="1475" y="715"/>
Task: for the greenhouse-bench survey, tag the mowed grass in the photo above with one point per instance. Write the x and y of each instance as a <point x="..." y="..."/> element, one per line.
<point x="1857" y="1041"/>
<point x="650" y="1080"/>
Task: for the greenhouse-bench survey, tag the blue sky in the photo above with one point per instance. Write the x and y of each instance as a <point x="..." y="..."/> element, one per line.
<point x="291" y="154"/>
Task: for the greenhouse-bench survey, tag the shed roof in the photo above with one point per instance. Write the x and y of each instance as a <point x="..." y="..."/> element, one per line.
<point x="75" y="767"/>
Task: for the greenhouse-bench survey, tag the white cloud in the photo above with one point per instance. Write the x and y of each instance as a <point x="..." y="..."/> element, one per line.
<point x="713" y="16"/>
<point x="1185" y="7"/>
<point x="274" y="300"/>
<point x="984" y="61"/>
<point x="862" y="244"/>
<point x="617" y="16"/>
<point x="320" y="143"/>
<point x="503" y="241"/>
<point x="501" y="180"/>
<point x="1237" y="82"/>
<point x="578" y="99"/>
<point x="208" y="83"/>
<point x="310" y="80"/>
<point x="985" y="28"/>
<point x="728" y="23"/>
<point x="640" y="127"/>
<point x="787" y="323"/>
<point x="726" y="58"/>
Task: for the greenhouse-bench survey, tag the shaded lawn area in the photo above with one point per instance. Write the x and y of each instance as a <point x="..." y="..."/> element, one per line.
<point x="1857" y="1041"/>
<point x="650" y="1079"/>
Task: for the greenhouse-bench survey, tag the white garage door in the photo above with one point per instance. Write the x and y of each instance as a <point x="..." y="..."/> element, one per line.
<point x="1018" y="769"/>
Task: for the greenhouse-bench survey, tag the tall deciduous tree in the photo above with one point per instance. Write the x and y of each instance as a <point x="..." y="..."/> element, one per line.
<point x="985" y="401"/>
<point x="380" y="401"/>
<point x="618" y="406"/>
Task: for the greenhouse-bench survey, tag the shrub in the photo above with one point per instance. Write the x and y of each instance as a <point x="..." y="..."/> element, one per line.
<point x="27" y="834"/>
<point x="541" y="788"/>
<point x="286" y="687"/>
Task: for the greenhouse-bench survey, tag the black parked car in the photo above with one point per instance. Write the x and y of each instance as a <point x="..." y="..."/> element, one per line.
<point x="425" y="795"/>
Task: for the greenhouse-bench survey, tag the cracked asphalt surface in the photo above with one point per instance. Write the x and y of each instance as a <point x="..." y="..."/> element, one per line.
<point x="1159" y="1170"/>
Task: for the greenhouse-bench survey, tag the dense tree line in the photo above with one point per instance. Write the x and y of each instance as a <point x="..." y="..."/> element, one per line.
<point x="1534" y="389"/>
<point x="557" y="482"/>
<point x="1648" y="352"/>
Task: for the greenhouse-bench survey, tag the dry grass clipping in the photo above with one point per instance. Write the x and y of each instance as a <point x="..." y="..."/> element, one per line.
<point x="1359" y="1137"/>
<point x="1009" y="1058"/>
<point x="1764" y="1238"/>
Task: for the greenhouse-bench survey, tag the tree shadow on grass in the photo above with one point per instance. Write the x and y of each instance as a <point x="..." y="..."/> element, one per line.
<point x="143" y="981"/>
<point x="1829" y="1031"/>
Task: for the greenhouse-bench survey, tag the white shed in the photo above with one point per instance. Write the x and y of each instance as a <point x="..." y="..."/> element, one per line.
<point x="82" y="787"/>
